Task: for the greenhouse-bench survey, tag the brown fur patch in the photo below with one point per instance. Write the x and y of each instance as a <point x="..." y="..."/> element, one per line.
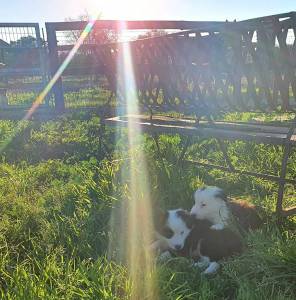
<point x="245" y="214"/>
<point x="216" y="244"/>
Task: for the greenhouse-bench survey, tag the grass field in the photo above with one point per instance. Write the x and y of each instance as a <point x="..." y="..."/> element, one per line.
<point x="58" y="191"/>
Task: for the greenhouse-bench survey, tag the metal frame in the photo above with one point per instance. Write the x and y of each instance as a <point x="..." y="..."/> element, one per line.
<point x="240" y="31"/>
<point x="40" y="47"/>
<point x="281" y="180"/>
<point x="53" y="27"/>
<point x="154" y="127"/>
<point x="39" y="71"/>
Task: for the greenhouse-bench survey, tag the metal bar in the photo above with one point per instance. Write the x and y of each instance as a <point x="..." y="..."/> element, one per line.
<point x="42" y="58"/>
<point x="242" y="172"/>
<point x="282" y="181"/>
<point x="163" y="24"/>
<point x="20" y="71"/>
<point x="155" y="138"/>
<point x="19" y="24"/>
<point x="54" y="65"/>
<point x="136" y="25"/>
<point x="283" y="15"/>
<point x="225" y="154"/>
<point x="162" y="127"/>
<point x="290" y="211"/>
<point x="182" y="154"/>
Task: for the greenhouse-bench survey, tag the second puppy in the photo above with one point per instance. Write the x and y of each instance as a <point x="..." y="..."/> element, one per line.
<point x="181" y="234"/>
<point x="212" y="204"/>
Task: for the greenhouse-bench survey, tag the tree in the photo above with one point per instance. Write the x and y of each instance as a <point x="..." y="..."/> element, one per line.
<point x="25" y="41"/>
<point x="22" y="53"/>
<point x="96" y="36"/>
<point x="84" y="57"/>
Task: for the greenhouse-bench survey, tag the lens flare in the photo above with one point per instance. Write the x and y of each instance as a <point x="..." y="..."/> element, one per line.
<point x="18" y="129"/>
<point x="136" y="210"/>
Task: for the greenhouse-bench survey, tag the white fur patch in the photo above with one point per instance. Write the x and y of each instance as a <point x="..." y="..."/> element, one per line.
<point x="203" y="262"/>
<point x="179" y="229"/>
<point x="217" y="226"/>
<point x="209" y="206"/>
<point x="212" y="268"/>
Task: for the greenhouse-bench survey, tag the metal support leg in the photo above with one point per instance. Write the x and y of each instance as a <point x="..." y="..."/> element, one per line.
<point x="155" y="138"/>
<point x="224" y="151"/>
<point x="182" y="154"/>
<point x="225" y="154"/>
<point x="282" y="182"/>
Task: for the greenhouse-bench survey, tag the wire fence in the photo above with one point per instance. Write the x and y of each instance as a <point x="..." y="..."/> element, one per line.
<point x="23" y="64"/>
<point x="28" y="60"/>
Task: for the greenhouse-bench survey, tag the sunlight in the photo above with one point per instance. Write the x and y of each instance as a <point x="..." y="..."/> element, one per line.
<point x="40" y="98"/>
<point x="123" y="9"/>
<point x="138" y="204"/>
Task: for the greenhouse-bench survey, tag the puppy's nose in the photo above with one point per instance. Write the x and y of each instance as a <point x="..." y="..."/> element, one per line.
<point x="193" y="213"/>
<point x="178" y="247"/>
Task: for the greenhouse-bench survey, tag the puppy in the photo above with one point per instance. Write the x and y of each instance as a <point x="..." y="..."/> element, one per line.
<point x="212" y="204"/>
<point x="183" y="235"/>
<point x="171" y="230"/>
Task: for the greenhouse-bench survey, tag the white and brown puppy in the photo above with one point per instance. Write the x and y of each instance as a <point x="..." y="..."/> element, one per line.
<point x="179" y="233"/>
<point x="212" y="204"/>
<point x="171" y="230"/>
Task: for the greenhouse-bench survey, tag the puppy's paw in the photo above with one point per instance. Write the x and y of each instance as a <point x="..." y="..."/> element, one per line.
<point x="158" y="246"/>
<point x="164" y="256"/>
<point x="212" y="268"/>
<point x="217" y="226"/>
<point x="202" y="263"/>
<point x="154" y="246"/>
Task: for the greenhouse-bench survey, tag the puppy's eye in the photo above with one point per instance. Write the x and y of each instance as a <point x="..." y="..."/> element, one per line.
<point x="182" y="232"/>
<point x="203" y="205"/>
<point x="167" y="232"/>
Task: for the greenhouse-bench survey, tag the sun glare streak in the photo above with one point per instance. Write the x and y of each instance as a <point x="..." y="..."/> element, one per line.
<point x="50" y="84"/>
<point x="61" y="69"/>
<point x="139" y="226"/>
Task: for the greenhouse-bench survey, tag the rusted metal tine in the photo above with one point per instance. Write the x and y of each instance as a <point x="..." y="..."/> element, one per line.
<point x="241" y="172"/>
<point x="287" y="150"/>
<point x="183" y="152"/>
<point x="225" y="154"/>
<point x="289" y="212"/>
<point x="224" y="150"/>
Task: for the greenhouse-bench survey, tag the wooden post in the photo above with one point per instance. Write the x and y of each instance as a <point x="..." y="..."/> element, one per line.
<point x="54" y="66"/>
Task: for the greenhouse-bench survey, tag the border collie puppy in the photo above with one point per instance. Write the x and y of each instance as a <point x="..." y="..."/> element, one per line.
<point x="171" y="230"/>
<point x="181" y="234"/>
<point x="212" y="204"/>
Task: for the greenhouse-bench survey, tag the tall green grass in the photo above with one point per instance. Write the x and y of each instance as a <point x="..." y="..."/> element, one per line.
<point x="58" y="191"/>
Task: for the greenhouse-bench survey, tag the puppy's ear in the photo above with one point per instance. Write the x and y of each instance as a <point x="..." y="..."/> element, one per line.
<point x="222" y="195"/>
<point x="198" y="190"/>
<point x="186" y="217"/>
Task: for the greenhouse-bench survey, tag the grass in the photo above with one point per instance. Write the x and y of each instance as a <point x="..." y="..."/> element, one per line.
<point x="57" y="194"/>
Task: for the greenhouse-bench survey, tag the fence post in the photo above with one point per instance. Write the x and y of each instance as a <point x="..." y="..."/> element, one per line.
<point x="43" y="60"/>
<point x="54" y="66"/>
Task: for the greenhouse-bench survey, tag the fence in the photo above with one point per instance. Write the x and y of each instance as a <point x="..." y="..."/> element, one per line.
<point x="22" y="64"/>
<point x="246" y="65"/>
<point x="87" y="68"/>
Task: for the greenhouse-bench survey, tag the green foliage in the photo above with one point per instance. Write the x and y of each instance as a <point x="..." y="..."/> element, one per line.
<point x="58" y="190"/>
